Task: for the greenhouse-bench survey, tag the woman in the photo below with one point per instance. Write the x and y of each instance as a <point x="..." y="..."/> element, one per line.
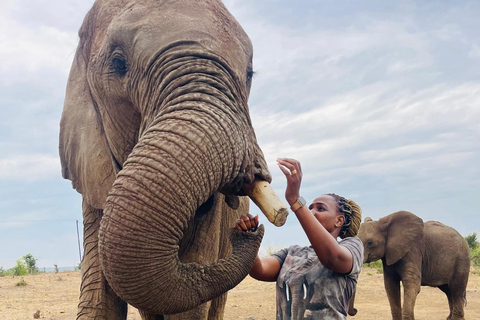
<point x="313" y="282"/>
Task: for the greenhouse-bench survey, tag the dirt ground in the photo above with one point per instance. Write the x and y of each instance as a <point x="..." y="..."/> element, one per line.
<point x="56" y="295"/>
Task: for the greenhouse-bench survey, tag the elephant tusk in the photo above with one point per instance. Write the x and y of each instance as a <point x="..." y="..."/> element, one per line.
<point x="287" y="292"/>
<point x="304" y="291"/>
<point x="267" y="200"/>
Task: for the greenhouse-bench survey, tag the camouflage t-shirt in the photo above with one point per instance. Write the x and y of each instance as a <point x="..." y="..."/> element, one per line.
<point x="308" y="290"/>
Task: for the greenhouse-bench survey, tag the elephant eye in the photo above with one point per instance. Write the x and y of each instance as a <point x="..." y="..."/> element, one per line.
<point x="119" y="65"/>
<point x="370" y="243"/>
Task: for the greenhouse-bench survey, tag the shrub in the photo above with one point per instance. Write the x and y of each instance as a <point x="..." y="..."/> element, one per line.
<point x="472" y="240"/>
<point x="375" y="265"/>
<point x="267" y="252"/>
<point x="474" y="246"/>
<point x="31" y="262"/>
<point x="475" y="256"/>
<point x="21" y="283"/>
<point x="20" y="269"/>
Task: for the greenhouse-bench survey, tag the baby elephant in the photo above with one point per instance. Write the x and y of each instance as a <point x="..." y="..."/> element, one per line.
<point x="418" y="254"/>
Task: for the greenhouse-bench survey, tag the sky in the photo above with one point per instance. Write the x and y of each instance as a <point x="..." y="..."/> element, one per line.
<point x="378" y="100"/>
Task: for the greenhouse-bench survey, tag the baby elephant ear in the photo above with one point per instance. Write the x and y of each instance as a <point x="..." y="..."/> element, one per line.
<point x="84" y="153"/>
<point x="404" y="230"/>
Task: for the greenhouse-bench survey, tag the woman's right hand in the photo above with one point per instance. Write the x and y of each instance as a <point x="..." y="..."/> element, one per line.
<point x="292" y="170"/>
<point x="247" y="223"/>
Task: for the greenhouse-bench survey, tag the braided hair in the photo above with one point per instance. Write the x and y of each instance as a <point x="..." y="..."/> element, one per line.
<point x="352" y="213"/>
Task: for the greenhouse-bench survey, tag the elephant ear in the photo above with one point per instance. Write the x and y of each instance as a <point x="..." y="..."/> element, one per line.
<point x="403" y="231"/>
<point x="84" y="153"/>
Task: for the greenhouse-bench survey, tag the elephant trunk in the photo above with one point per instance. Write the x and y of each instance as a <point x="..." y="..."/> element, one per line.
<point x="352" y="311"/>
<point x="176" y="167"/>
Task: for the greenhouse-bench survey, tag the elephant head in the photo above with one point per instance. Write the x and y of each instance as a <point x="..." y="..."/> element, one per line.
<point x="155" y="130"/>
<point x="391" y="237"/>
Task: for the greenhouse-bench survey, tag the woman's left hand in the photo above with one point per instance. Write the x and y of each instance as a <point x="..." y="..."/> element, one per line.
<point x="293" y="172"/>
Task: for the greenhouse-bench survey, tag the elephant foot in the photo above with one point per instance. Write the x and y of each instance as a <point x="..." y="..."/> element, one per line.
<point x="456" y="315"/>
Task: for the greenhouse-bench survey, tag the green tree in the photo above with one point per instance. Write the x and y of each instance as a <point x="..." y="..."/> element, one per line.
<point x="20" y="269"/>
<point x="472" y="241"/>
<point x="475" y="256"/>
<point x="31" y="262"/>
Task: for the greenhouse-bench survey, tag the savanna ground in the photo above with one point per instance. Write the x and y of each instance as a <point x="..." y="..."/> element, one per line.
<point x="55" y="295"/>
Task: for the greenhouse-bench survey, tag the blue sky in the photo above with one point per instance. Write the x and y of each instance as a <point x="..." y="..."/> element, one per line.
<point x="379" y="100"/>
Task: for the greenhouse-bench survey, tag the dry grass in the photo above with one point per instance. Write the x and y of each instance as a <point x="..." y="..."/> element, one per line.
<point x="55" y="295"/>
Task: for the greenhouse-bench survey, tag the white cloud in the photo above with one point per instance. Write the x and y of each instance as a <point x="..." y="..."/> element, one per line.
<point x="375" y="112"/>
<point x="20" y="220"/>
<point x="475" y="52"/>
<point x="402" y="152"/>
<point x="25" y="50"/>
<point x="30" y="167"/>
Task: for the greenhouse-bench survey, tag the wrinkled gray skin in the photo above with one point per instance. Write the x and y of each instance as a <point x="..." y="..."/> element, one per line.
<point x="417" y="254"/>
<point x="156" y="136"/>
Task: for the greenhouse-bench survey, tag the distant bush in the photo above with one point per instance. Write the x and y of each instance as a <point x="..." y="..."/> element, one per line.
<point x="268" y="251"/>
<point x="31" y="262"/>
<point x="474" y="246"/>
<point x="2" y="272"/>
<point x="472" y="241"/>
<point x="375" y="265"/>
<point x="21" y="283"/>
<point x="20" y="269"/>
<point x="475" y="256"/>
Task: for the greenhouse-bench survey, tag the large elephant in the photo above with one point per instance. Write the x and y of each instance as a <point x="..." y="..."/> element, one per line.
<point x="156" y="136"/>
<point x="417" y="254"/>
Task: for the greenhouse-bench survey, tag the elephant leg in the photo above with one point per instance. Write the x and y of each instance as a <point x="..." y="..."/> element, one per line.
<point x="149" y="316"/>
<point x="207" y="311"/>
<point x="456" y="311"/>
<point x="199" y="313"/>
<point x="457" y="289"/>
<point x="456" y="302"/>
<point x="97" y="299"/>
<point x="411" y="289"/>
<point x="217" y="307"/>
<point x="210" y="242"/>
<point x="392" y="287"/>
<point x="447" y="292"/>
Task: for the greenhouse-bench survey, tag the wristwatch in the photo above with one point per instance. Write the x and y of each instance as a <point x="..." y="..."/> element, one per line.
<point x="297" y="205"/>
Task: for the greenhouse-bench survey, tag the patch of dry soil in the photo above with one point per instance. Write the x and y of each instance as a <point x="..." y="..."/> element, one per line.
<point x="56" y="295"/>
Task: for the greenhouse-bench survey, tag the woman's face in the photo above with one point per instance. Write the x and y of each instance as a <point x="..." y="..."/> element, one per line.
<point x="324" y="208"/>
